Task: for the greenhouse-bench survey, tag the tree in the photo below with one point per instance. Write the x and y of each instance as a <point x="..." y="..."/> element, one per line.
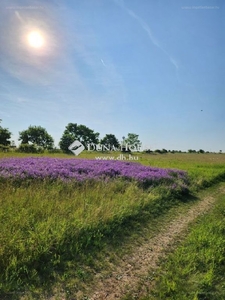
<point x="191" y="151"/>
<point x="158" y="151"/>
<point x="5" y="135"/>
<point x="77" y="132"/>
<point x="110" y="140"/>
<point x="37" y="135"/>
<point x="66" y="140"/>
<point x="164" y="151"/>
<point x="132" y="140"/>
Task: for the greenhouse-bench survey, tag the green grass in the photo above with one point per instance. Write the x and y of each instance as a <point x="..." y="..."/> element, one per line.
<point x="203" y="169"/>
<point x="51" y="232"/>
<point x="44" y="226"/>
<point x="196" y="269"/>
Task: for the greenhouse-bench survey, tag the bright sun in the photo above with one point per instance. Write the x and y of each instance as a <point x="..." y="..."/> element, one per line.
<point x="35" y="39"/>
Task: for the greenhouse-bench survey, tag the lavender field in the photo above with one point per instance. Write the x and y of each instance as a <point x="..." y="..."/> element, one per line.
<point x="83" y="169"/>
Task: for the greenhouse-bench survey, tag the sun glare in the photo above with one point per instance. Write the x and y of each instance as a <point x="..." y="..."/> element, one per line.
<point x="35" y="39"/>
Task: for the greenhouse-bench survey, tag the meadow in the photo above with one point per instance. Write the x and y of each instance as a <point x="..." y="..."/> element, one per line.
<point x="58" y="211"/>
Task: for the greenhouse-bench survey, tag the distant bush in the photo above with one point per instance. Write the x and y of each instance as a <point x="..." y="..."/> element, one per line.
<point x="161" y="151"/>
<point x="55" y="150"/>
<point x="191" y="151"/>
<point x="158" y="151"/>
<point x="164" y="151"/>
<point x="4" y="148"/>
<point x="148" y="151"/>
<point x="30" y="148"/>
<point x="201" y="151"/>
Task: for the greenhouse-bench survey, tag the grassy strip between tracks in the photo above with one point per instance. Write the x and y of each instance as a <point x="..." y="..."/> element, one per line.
<point x="195" y="270"/>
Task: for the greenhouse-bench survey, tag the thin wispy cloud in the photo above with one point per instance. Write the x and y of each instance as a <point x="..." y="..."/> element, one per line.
<point x="19" y="17"/>
<point x="147" y="29"/>
<point x="103" y="63"/>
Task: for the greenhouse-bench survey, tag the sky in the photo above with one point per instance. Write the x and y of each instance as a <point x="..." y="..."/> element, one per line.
<point x="150" y="67"/>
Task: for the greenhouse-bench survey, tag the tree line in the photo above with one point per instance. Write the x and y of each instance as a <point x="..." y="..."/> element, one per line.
<point x="37" y="139"/>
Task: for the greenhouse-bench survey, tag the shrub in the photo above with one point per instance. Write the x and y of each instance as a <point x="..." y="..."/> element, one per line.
<point x="55" y="150"/>
<point x="30" y="148"/>
<point x="4" y="148"/>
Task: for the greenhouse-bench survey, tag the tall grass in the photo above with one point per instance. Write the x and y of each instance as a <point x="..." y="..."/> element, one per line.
<point x="196" y="269"/>
<point x="43" y="225"/>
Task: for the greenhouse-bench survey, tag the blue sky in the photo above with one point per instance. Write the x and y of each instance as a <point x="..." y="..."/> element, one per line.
<point x="150" y="67"/>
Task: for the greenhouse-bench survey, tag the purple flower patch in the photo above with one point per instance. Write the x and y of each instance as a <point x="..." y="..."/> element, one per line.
<point x="84" y="169"/>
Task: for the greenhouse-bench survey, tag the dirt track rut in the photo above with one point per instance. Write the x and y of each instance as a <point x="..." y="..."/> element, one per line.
<point x="126" y="277"/>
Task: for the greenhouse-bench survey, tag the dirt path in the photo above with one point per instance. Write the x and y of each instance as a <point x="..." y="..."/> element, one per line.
<point x="133" y="268"/>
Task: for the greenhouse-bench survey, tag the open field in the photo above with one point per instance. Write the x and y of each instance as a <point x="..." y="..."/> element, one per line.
<point x="56" y="234"/>
<point x="202" y="168"/>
